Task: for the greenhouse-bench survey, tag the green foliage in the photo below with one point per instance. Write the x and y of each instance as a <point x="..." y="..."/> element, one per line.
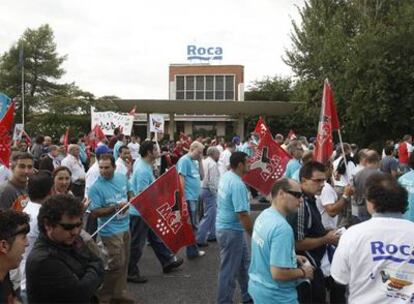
<point x="50" y="106"/>
<point x="366" y="49"/>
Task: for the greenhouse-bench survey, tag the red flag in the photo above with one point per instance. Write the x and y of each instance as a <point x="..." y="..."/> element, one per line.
<point x="132" y="112"/>
<point x="262" y="128"/>
<point x="28" y="140"/>
<point x="291" y="135"/>
<point x="164" y="209"/>
<point x="267" y="165"/>
<point x="328" y="121"/>
<point x="66" y="139"/>
<point x="6" y="135"/>
<point x="99" y="134"/>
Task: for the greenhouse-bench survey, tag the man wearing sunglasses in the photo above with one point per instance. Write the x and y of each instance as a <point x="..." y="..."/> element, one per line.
<point x="14" y="227"/>
<point x="310" y="235"/>
<point x="61" y="267"/>
<point x="275" y="268"/>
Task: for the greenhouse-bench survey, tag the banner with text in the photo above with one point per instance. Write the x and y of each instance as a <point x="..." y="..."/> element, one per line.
<point x="156" y="123"/>
<point x="108" y="121"/>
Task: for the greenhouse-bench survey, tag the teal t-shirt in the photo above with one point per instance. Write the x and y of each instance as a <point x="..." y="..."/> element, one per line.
<point x="105" y="193"/>
<point x="232" y="198"/>
<point x="407" y="181"/>
<point x="273" y="244"/>
<point x="142" y="177"/>
<point x="246" y="149"/>
<point x="188" y="168"/>
<point x="292" y="166"/>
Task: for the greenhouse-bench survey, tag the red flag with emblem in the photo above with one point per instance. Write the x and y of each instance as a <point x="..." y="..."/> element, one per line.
<point x="164" y="209"/>
<point x="261" y="128"/>
<point x="328" y="122"/>
<point x="267" y="165"/>
<point x="99" y="134"/>
<point x="6" y="135"/>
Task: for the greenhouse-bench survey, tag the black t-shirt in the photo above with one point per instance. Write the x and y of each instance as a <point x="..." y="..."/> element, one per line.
<point x="307" y="223"/>
<point x="7" y="294"/>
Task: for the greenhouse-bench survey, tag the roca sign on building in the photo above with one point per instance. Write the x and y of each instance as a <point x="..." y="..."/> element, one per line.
<point x="204" y="53"/>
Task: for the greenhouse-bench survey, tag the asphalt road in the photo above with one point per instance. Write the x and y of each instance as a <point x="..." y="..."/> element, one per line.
<point x="195" y="282"/>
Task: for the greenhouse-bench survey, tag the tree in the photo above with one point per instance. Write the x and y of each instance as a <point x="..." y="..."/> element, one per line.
<point x="42" y="68"/>
<point x="366" y="49"/>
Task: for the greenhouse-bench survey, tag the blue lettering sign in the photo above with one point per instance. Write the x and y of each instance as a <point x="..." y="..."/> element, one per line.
<point x="392" y="252"/>
<point x="204" y="53"/>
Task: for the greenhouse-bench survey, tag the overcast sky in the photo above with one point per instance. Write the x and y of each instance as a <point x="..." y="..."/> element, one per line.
<point x="124" y="47"/>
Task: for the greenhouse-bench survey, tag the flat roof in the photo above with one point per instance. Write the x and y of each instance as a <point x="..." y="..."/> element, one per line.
<point x="208" y="107"/>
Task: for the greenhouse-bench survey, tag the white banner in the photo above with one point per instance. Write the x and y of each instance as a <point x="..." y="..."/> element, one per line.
<point x="108" y="121"/>
<point x="18" y="130"/>
<point x="156" y="123"/>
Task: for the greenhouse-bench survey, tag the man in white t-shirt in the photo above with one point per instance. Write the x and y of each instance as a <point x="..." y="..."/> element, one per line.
<point x="224" y="160"/>
<point x="134" y="147"/>
<point x="376" y="258"/>
<point x="124" y="163"/>
<point x="343" y="176"/>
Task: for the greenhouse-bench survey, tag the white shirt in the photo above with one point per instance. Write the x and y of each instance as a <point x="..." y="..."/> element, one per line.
<point x="346" y="178"/>
<point x="75" y="166"/>
<point x="91" y="177"/>
<point x="327" y="197"/>
<point x="211" y="175"/>
<point x="31" y="209"/>
<point x="376" y="259"/>
<point x="220" y="148"/>
<point x="134" y="148"/>
<point x="224" y="161"/>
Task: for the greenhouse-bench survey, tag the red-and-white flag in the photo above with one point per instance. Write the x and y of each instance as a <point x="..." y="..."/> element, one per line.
<point x="164" y="209"/>
<point x="261" y="128"/>
<point x="6" y="135"/>
<point x="267" y="165"/>
<point x="328" y="122"/>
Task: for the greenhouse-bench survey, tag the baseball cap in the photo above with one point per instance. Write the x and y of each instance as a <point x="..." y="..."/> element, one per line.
<point x="102" y="149"/>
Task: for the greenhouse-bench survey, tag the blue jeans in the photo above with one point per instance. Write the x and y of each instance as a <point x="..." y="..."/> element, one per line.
<point x="192" y="250"/>
<point x="234" y="265"/>
<point x="207" y="226"/>
<point x="139" y="233"/>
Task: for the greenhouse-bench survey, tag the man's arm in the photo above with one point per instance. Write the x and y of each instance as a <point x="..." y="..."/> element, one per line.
<point x="289" y="274"/>
<point x="200" y="167"/>
<point x="312" y="243"/>
<point x="246" y="221"/>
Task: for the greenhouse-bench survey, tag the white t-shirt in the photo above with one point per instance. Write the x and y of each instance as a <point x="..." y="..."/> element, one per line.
<point x="376" y="259"/>
<point x="121" y="167"/>
<point x="327" y="197"/>
<point x="5" y="174"/>
<point x="220" y="148"/>
<point x="91" y="177"/>
<point x="134" y="148"/>
<point x="32" y="209"/>
<point x="224" y="161"/>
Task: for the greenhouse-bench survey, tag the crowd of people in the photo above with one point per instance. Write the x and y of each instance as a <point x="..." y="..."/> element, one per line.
<point x="336" y="232"/>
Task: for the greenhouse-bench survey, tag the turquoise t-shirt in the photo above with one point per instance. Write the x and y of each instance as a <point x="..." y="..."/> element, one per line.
<point x="273" y="244"/>
<point x="232" y="198"/>
<point x="292" y="166"/>
<point x="142" y="177"/>
<point x="105" y="193"/>
<point x="407" y="181"/>
<point x="188" y="168"/>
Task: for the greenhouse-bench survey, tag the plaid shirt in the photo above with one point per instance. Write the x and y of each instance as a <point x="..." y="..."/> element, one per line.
<point x="211" y="175"/>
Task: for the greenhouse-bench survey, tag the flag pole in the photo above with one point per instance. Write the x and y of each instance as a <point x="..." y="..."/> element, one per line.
<point x="110" y="219"/>
<point x="343" y="152"/>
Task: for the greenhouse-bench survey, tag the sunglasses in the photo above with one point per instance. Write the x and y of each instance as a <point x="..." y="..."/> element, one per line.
<point x="68" y="227"/>
<point x="297" y="194"/>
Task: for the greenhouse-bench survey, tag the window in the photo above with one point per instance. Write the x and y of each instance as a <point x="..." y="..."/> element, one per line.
<point x="205" y="87"/>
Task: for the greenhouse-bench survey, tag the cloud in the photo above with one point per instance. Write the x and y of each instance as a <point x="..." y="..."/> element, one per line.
<point x="124" y="48"/>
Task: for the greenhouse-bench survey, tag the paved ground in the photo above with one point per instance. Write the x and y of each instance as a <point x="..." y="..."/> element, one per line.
<point x="195" y="282"/>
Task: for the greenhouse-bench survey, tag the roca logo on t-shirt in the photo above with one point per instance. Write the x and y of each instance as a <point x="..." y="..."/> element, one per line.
<point x="399" y="253"/>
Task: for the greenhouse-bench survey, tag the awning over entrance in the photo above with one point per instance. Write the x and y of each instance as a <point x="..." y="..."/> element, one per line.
<point x="218" y="107"/>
